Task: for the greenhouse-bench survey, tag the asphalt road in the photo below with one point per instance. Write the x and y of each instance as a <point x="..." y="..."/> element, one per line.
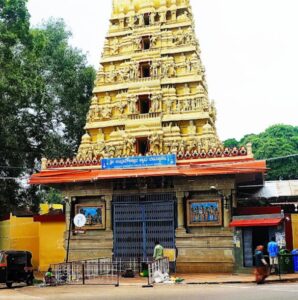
<point x="284" y="291"/>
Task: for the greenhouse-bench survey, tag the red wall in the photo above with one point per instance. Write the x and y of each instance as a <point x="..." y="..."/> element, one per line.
<point x="288" y="231"/>
<point x="258" y="210"/>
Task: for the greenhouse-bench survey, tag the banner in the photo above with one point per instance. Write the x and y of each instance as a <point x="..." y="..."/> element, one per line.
<point x="136" y="162"/>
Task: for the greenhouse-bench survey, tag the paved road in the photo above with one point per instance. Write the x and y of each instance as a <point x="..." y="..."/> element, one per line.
<point x="284" y="291"/>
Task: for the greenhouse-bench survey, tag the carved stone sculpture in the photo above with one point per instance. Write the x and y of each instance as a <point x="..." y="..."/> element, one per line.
<point x="114" y="46"/>
<point x="154" y="68"/>
<point x="179" y="38"/>
<point x="162" y="17"/>
<point x="138" y="43"/>
<point x="164" y="69"/>
<point x="129" y="146"/>
<point x="192" y="129"/>
<point x="106" y="111"/>
<point x="155" y="143"/>
<point x="124" y="73"/>
<point x="99" y="149"/>
<point x="172" y="69"/>
<point x="121" y="106"/>
<point x="174" y="147"/>
<point x="153" y="40"/>
<point x="134" y="70"/>
<point x="169" y="103"/>
<point x="152" y="18"/>
<point x="107" y="99"/>
<point x="187" y="105"/>
<point x="141" y="20"/>
<point x="132" y="104"/>
<point x="183" y="17"/>
<point x="155" y="103"/>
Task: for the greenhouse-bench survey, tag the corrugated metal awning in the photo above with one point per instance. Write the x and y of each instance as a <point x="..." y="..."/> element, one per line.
<point x="276" y="189"/>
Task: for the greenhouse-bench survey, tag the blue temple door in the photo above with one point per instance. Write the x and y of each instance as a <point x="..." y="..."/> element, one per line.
<point x="138" y="225"/>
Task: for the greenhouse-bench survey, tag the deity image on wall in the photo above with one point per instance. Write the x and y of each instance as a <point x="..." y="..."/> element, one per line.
<point x="204" y="213"/>
<point x="95" y="215"/>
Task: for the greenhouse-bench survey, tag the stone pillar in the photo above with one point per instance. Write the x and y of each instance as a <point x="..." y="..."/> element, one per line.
<point x="227" y="210"/>
<point x="68" y="226"/>
<point x="108" y="199"/>
<point x="181" y="212"/>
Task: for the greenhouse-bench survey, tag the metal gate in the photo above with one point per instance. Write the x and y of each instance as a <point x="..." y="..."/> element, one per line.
<point x="139" y="221"/>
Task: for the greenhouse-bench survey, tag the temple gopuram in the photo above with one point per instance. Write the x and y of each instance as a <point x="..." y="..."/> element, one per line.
<point x="151" y="166"/>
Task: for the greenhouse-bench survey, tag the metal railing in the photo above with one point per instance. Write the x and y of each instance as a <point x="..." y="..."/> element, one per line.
<point x="144" y="116"/>
<point x="158" y="266"/>
<point x="134" y="264"/>
<point x="102" y="271"/>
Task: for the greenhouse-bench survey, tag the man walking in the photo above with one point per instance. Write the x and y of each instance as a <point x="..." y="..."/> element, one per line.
<point x="273" y="250"/>
<point x="158" y="251"/>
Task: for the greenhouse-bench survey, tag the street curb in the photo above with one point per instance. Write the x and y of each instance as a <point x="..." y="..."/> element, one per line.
<point x="241" y="282"/>
<point x="217" y="282"/>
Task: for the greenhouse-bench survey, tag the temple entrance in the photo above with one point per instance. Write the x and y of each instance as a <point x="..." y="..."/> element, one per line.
<point x="252" y="237"/>
<point x="140" y="220"/>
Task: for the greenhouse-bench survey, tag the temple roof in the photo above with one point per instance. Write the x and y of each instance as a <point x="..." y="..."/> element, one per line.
<point x="83" y="175"/>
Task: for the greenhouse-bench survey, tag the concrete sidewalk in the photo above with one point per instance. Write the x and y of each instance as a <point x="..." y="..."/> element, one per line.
<point x="231" y="278"/>
<point x="214" y="279"/>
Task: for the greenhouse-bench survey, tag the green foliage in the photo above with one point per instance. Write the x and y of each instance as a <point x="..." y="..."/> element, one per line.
<point x="16" y="83"/>
<point x="50" y="196"/>
<point x="45" y="87"/>
<point x="276" y="141"/>
<point x="231" y="143"/>
<point x="54" y="197"/>
<point x="67" y="88"/>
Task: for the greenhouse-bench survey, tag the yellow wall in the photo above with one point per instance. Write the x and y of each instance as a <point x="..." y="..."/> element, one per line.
<point x="51" y="241"/>
<point x="44" y="208"/>
<point x="20" y="234"/>
<point x="44" y="240"/>
<point x="4" y="235"/>
<point x="295" y="231"/>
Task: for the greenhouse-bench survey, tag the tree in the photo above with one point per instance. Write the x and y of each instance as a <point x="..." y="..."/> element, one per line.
<point x="67" y="88"/>
<point x="275" y="142"/>
<point x="45" y="87"/>
<point x="16" y="84"/>
<point x="231" y="143"/>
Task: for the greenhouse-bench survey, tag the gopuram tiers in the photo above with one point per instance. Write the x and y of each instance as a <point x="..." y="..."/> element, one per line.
<point x="150" y="95"/>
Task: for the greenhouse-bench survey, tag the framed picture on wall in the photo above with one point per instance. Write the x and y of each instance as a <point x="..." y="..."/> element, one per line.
<point x="95" y="215"/>
<point x="204" y="213"/>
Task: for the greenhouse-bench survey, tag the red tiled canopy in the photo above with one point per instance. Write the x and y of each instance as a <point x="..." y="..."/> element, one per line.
<point x="84" y="175"/>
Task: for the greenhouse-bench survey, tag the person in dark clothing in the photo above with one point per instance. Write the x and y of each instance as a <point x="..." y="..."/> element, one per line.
<point x="261" y="269"/>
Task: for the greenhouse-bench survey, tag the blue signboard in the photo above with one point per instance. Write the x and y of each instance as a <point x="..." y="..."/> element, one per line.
<point x="136" y="162"/>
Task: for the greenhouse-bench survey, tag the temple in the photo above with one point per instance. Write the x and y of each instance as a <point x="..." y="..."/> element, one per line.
<point x="150" y="165"/>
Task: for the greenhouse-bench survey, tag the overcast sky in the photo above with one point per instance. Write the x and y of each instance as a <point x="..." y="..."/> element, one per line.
<point x="249" y="49"/>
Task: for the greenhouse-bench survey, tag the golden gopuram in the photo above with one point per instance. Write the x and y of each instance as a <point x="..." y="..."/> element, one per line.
<point x="150" y="165"/>
<point x="150" y="95"/>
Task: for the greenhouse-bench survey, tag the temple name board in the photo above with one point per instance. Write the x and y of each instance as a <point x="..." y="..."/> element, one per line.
<point x="138" y="162"/>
